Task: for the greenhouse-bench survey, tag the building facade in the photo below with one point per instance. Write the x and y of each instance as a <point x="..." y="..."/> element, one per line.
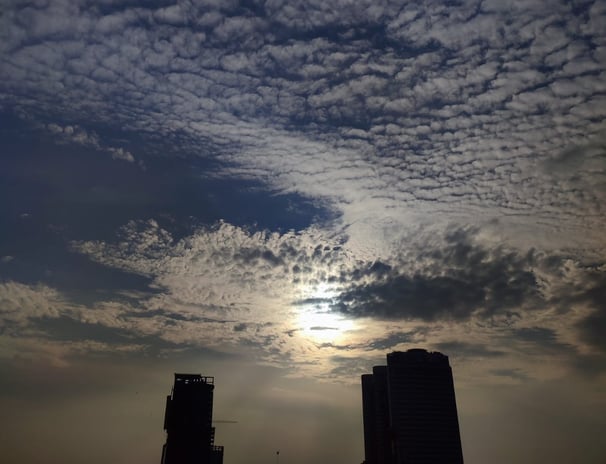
<point x="410" y="412"/>
<point x="188" y="422"/>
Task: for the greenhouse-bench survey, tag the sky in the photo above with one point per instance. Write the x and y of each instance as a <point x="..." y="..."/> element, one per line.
<point x="279" y="193"/>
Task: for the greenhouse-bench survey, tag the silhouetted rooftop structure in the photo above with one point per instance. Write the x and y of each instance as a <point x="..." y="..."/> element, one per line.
<point x="410" y="412"/>
<point x="188" y="422"/>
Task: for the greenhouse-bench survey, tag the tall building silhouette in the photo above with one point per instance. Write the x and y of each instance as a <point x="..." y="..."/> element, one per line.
<point x="410" y="411"/>
<point x="188" y="422"/>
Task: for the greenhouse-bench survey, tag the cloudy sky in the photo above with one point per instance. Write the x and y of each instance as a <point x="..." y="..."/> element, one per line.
<point x="278" y="193"/>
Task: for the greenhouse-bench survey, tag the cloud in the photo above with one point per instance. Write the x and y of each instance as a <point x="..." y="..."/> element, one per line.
<point x="462" y="350"/>
<point x="457" y="280"/>
<point x="391" y="341"/>
<point x="259" y="285"/>
<point x="31" y="315"/>
<point x="76" y="134"/>
<point x="424" y="110"/>
<point x="236" y="284"/>
<point x="240" y="327"/>
<point x="441" y="166"/>
<point x="412" y="125"/>
<point x="282" y="297"/>
<point x="540" y="338"/>
<point x="583" y="286"/>
<point x="592" y="294"/>
<point x="592" y="328"/>
<point x="19" y="303"/>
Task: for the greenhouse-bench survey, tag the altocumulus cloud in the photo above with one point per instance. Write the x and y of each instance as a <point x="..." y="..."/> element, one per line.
<point x="386" y="114"/>
<point x="416" y="109"/>
<point x="81" y="136"/>
<point x="254" y="283"/>
<point x="324" y="181"/>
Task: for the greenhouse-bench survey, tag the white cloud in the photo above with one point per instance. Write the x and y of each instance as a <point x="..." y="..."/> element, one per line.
<point x="481" y="94"/>
<point x="256" y="289"/>
<point x="76" y="134"/>
<point x="431" y="114"/>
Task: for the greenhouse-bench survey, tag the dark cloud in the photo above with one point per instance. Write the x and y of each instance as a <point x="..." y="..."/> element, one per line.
<point x="587" y="290"/>
<point x="352" y="367"/>
<point x="394" y="339"/>
<point x="540" y="335"/>
<point x="376" y="270"/>
<point x="590" y="365"/>
<point x="468" y="350"/>
<point x="402" y="297"/>
<point x="252" y="256"/>
<point x="321" y="327"/>
<point x="172" y="317"/>
<point x="458" y="280"/>
<point x="544" y="341"/>
<point x="460" y="277"/>
<point x="593" y="328"/>
<point x="317" y="302"/>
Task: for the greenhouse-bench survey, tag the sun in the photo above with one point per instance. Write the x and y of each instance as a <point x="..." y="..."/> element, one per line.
<point x="317" y="321"/>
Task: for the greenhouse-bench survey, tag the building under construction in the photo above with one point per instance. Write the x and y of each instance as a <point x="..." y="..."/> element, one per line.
<point x="188" y="422"/>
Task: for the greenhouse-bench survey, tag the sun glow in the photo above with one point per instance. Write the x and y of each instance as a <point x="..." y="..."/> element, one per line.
<point x="316" y="319"/>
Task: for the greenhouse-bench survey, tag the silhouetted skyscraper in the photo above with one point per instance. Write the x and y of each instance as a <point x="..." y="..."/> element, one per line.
<point x="188" y="422"/>
<point x="410" y="411"/>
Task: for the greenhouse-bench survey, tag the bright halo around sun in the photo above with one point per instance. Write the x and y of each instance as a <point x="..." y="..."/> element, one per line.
<point x="317" y="321"/>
